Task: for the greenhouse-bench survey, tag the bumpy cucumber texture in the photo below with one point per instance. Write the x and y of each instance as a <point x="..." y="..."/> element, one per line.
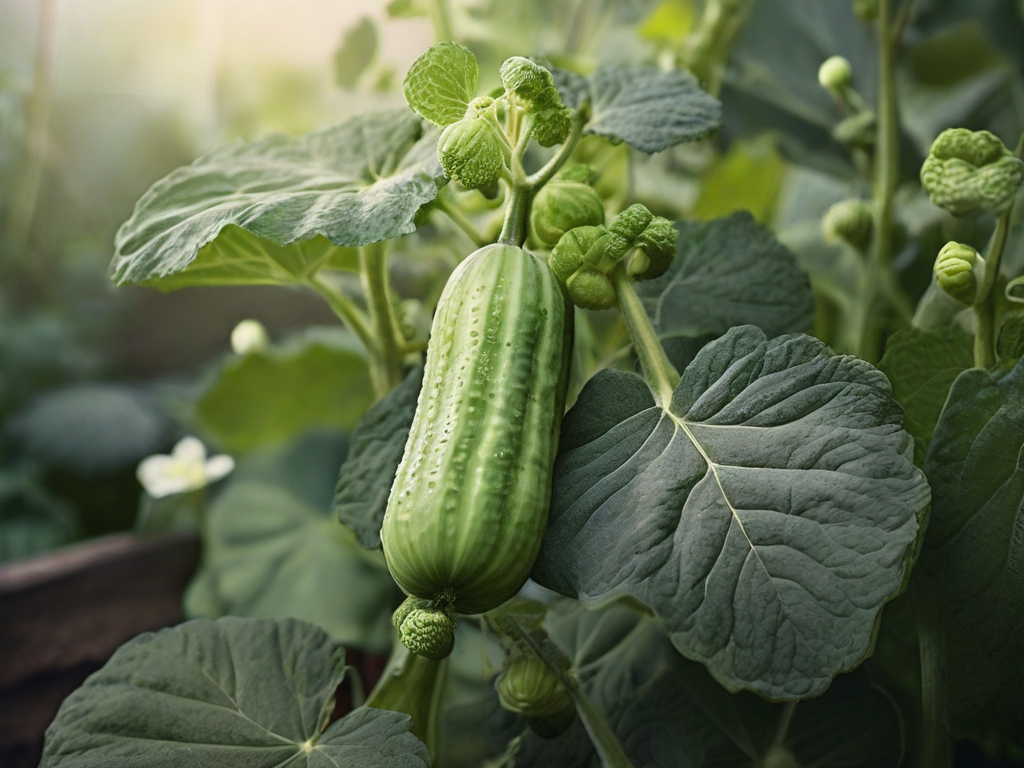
<point x="469" y="504"/>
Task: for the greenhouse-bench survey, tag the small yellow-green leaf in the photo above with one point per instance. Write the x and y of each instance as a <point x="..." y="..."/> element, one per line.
<point x="442" y="82"/>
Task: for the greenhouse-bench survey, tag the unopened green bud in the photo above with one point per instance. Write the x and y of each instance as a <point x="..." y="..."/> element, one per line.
<point x="865" y="10"/>
<point x="478" y="106"/>
<point x="581" y="172"/>
<point x="425" y="629"/>
<point x="552" y="126"/>
<point x="631" y="223"/>
<point x="531" y="82"/>
<point x="657" y="246"/>
<point x="835" y="73"/>
<point x="971" y="172"/>
<point x="590" y="289"/>
<point x="954" y="271"/>
<point x="568" y="254"/>
<point x="848" y="221"/>
<point x="563" y="205"/>
<point x="470" y="153"/>
<point x="528" y="687"/>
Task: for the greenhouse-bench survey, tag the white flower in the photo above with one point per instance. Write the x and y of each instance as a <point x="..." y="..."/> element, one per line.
<point x="249" y="336"/>
<point x="186" y="469"/>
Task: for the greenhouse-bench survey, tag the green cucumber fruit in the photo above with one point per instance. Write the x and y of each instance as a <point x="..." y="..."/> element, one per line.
<point x="469" y="504"/>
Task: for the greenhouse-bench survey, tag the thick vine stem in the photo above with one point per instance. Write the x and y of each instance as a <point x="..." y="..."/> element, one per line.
<point x="386" y="356"/>
<point x="937" y="747"/>
<point x="513" y="230"/>
<point x="352" y="316"/>
<point x="985" y="301"/>
<point x="413" y="685"/>
<point x="885" y="178"/>
<point x="661" y="374"/>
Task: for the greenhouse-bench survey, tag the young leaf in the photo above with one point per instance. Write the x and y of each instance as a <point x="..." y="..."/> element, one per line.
<point x="921" y="366"/>
<point x="973" y="548"/>
<point x="766" y="515"/>
<point x="442" y="82"/>
<point x="728" y="272"/>
<point x="354" y="184"/>
<point x="319" y="378"/>
<point x="355" y="53"/>
<point x="273" y="549"/>
<point x="231" y="692"/>
<point x="378" y="443"/>
<point x="649" y="109"/>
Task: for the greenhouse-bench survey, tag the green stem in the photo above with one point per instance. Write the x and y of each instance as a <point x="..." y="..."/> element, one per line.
<point x="442" y="20"/>
<point x="543" y="176"/>
<point x="386" y="364"/>
<point x="985" y="301"/>
<point x="785" y="721"/>
<point x="413" y="685"/>
<point x="886" y="170"/>
<point x="513" y="230"/>
<point x="38" y="134"/>
<point x="352" y="316"/>
<point x="661" y="374"/>
<point x="937" y="749"/>
<point x="452" y="211"/>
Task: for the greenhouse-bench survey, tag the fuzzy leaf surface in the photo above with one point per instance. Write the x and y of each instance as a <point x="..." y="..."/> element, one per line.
<point x="442" y="82"/>
<point x="649" y="109"/>
<point x="766" y="515"/>
<point x="729" y="272"/>
<point x="354" y="184"/>
<point x="378" y="442"/>
<point x="233" y="692"/>
<point x="973" y="554"/>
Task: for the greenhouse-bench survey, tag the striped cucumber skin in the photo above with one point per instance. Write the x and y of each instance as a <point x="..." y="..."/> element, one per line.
<point x="469" y="505"/>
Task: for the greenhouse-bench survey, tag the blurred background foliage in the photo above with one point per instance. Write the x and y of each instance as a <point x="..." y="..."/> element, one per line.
<point x="100" y="98"/>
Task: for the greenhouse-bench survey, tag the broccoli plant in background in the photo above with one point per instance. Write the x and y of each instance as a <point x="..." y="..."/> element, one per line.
<point x="726" y="530"/>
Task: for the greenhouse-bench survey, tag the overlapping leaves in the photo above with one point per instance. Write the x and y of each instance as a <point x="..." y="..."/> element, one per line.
<point x="354" y="184"/>
<point x="766" y="514"/>
<point x="973" y="551"/>
<point x="232" y="692"/>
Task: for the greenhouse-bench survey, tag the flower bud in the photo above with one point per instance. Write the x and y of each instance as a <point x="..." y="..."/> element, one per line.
<point x="848" y="221"/>
<point x="835" y="73"/>
<point x="971" y="172"/>
<point x="249" y="336"/>
<point x="528" y="687"/>
<point x="954" y="271"/>
<point x="563" y="205"/>
<point x="590" y="289"/>
<point x="470" y="153"/>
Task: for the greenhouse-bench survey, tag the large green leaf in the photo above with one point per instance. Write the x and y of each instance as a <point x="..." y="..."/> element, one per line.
<point x="273" y="549"/>
<point x="921" y="366"/>
<point x="766" y="514"/>
<point x="368" y="473"/>
<point x="728" y="272"/>
<point x="648" y="109"/>
<point x="232" y="693"/>
<point x="319" y="378"/>
<point x="358" y="183"/>
<point x="668" y="711"/>
<point x="974" y="548"/>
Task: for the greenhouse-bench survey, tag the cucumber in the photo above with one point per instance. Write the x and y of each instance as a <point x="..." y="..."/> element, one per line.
<point x="469" y="504"/>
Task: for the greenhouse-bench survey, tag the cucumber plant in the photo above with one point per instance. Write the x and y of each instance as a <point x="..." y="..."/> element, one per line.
<point x="718" y="535"/>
